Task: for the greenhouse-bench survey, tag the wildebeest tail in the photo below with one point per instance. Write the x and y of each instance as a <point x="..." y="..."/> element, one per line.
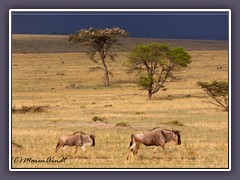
<point x="131" y="140"/>
<point x="57" y="147"/>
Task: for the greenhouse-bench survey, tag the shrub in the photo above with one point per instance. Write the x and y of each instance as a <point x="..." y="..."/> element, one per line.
<point x="139" y="113"/>
<point x="98" y="119"/>
<point x="108" y="105"/>
<point x="122" y="124"/>
<point x="176" y="123"/>
<point x="16" y="145"/>
<point x="30" y="109"/>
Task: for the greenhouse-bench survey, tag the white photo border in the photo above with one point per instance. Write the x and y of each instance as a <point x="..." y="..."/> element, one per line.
<point x="121" y="11"/>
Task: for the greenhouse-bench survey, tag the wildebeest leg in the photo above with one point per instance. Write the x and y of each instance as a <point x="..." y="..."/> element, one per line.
<point x="83" y="148"/>
<point x="76" y="149"/>
<point x="154" y="151"/>
<point x="131" y="149"/>
<point x="63" y="150"/>
<point x="135" y="151"/>
<point x="163" y="147"/>
<point x="58" y="147"/>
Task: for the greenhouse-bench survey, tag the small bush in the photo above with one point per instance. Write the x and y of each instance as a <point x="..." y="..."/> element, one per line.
<point x="16" y="145"/>
<point x="122" y="124"/>
<point x="176" y="123"/>
<point x="30" y="109"/>
<point x="73" y="86"/>
<point x="98" y="119"/>
<point x="139" y="113"/>
<point x="60" y="74"/>
<point x="93" y="69"/>
<point x="169" y="97"/>
<point x="108" y="105"/>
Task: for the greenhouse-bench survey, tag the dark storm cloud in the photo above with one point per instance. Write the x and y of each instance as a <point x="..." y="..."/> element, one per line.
<point x="197" y="25"/>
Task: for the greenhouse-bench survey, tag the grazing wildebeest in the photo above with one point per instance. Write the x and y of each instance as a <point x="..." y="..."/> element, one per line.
<point x="154" y="137"/>
<point x="76" y="139"/>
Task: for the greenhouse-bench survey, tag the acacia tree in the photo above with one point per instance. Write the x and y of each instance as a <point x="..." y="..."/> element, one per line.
<point x="101" y="42"/>
<point x="157" y="62"/>
<point x="218" y="92"/>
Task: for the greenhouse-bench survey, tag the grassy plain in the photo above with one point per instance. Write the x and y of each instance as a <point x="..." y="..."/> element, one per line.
<point x="75" y="95"/>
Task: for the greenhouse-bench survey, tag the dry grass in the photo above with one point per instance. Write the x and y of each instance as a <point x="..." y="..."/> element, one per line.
<point x="76" y="96"/>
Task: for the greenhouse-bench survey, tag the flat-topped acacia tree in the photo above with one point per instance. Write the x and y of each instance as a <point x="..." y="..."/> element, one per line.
<point x="101" y="42"/>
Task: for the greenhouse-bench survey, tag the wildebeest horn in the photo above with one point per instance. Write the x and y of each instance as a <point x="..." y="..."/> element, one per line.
<point x="93" y="134"/>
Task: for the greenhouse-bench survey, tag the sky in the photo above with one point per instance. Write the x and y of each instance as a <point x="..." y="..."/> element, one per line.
<point x="173" y="25"/>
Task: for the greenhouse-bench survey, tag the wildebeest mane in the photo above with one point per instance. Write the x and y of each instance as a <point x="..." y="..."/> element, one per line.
<point x="154" y="128"/>
<point x="79" y="132"/>
<point x="159" y="127"/>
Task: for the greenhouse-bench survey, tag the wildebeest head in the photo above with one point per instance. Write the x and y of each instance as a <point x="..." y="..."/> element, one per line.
<point x="177" y="136"/>
<point x="87" y="139"/>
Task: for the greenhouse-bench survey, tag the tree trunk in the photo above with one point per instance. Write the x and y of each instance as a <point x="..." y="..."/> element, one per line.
<point x="150" y="88"/>
<point x="150" y="93"/>
<point x="106" y="81"/>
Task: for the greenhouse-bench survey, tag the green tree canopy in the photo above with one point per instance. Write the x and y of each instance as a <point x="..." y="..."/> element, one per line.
<point x="157" y="62"/>
<point x="217" y="91"/>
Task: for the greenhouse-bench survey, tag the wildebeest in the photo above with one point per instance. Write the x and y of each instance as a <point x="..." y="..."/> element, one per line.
<point x="76" y="139"/>
<point x="154" y="137"/>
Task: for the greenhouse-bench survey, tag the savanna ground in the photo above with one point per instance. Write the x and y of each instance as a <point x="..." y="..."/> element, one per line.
<point x="73" y="96"/>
